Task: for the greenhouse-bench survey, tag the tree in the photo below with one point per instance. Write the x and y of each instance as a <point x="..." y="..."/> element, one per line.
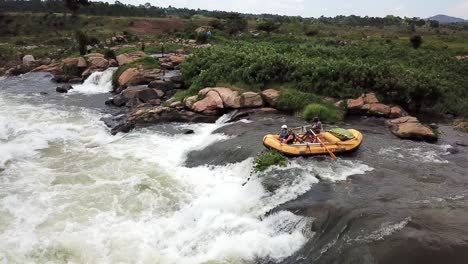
<point x="235" y="23"/>
<point x="434" y="24"/>
<point x="74" y="5"/>
<point x="416" y="41"/>
<point x="268" y="25"/>
<point x="82" y="40"/>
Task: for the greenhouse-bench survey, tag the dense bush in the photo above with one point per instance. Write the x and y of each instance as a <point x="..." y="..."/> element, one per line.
<point x="109" y="54"/>
<point x="416" y="41"/>
<point x="294" y="101"/>
<point x="269" y="158"/>
<point x="416" y="79"/>
<point x="325" y="112"/>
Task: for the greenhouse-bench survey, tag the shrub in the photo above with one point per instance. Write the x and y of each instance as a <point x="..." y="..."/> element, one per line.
<point x="267" y="25"/>
<point x="82" y="40"/>
<point x="416" y="41"/>
<point x="269" y="158"/>
<point x="325" y="112"/>
<point x="109" y="54"/>
<point x="294" y="101"/>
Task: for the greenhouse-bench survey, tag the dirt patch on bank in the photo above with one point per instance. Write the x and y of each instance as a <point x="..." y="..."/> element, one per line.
<point x="157" y="26"/>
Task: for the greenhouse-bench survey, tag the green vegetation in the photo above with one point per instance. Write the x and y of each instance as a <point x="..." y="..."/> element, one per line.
<point x="144" y="63"/>
<point x="461" y="124"/>
<point x="407" y="61"/>
<point x="428" y="78"/>
<point x="326" y="112"/>
<point x="269" y="158"/>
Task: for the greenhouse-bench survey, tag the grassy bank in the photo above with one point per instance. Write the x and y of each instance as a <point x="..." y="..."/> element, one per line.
<point x="429" y="78"/>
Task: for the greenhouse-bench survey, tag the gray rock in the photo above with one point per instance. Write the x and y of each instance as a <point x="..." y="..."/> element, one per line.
<point x="64" y="88"/>
<point x="161" y="85"/>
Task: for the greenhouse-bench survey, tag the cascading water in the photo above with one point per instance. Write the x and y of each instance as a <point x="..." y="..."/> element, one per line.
<point x="97" y="82"/>
<point x="70" y="193"/>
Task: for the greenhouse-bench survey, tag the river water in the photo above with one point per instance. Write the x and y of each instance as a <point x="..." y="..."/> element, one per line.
<point x="72" y="193"/>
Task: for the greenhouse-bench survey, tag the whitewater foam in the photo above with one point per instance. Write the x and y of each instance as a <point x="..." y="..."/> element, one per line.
<point x="97" y="82"/>
<point x="73" y="193"/>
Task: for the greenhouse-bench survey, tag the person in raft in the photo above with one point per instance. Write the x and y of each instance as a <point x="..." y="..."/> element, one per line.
<point x="316" y="127"/>
<point x="290" y="138"/>
<point x="283" y="134"/>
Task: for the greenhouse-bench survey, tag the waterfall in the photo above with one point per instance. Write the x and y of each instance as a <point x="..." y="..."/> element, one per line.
<point x="98" y="82"/>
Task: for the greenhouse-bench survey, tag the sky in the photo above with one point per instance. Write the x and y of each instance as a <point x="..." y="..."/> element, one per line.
<point x="317" y="8"/>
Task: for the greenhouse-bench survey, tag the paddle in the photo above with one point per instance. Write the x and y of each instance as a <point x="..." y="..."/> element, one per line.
<point x="329" y="152"/>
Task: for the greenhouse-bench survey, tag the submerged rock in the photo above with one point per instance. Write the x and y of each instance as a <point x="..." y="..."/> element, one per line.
<point x="64" y="88"/>
<point x="158" y="114"/>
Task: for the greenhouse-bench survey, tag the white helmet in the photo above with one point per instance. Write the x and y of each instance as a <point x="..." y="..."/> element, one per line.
<point x="284" y="127"/>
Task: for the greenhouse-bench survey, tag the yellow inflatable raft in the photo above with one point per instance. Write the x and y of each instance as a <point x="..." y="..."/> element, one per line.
<point x="332" y="143"/>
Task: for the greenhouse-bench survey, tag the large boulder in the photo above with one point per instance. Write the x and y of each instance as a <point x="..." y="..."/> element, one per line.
<point x="54" y="68"/>
<point x="162" y="85"/>
<point x="271" y="97"/>
<point x="230" y="98"/>
<point x="409" y="127"/>
<point x="98" y="63"/>
<point x="370" y="98"/>
<point x="94" y="55"/>
<point x="176" y="60"/>
<point x="190" y="101"/>
<point x="355" y="104"/>
<point x="135" y="95"/>
<point x="70" y="61"/>
<point x="28" y="59"/>
<point x="126" y="58"/>
<point x="209" y="105"/>
<point x="251" y="100"/>
<point x="379" y="109"/>
<point x="128" y="75"/>
<point x="397" y="111"/>
<point x="81" y="63"/>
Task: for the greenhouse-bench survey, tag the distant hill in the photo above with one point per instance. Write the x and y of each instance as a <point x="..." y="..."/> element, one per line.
<point x="447" y="19"/>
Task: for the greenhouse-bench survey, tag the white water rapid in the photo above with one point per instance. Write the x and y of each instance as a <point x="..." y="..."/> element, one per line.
<point x="97" y="82"/>
<point x="72" y="193"/>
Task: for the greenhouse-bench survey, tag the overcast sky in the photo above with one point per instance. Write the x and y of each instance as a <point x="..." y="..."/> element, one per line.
<point x="316" y="8"/>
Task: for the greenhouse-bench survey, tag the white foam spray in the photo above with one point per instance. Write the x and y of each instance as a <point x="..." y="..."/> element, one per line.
<point x="97" y="82"/>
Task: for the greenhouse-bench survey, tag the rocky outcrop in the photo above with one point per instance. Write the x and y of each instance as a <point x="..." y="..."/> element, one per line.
<point x="368" y="104"/>
<point x="98" y="63"/>
<point x="251" y="100"/>
<point x="215" y="100"/>
<point x="127" y="75"/>
<point x="81" y="63"/>
<point x="409" y="127"/>
<point x="171" y="61"/>
<point x="126" y="58"/>
<point x="28" y="59"/>
<point x="54" y="68"/>
<point x="230" y="99"/>
<point x="270" y="96"/>
<point x="137" y="95"/>
<point x="136" y="76"/>
<point x="210" y="104"/>
<point x="159" y="114"/>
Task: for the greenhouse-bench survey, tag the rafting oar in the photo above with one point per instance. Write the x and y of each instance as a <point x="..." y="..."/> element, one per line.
<point x="329" y="152"/>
